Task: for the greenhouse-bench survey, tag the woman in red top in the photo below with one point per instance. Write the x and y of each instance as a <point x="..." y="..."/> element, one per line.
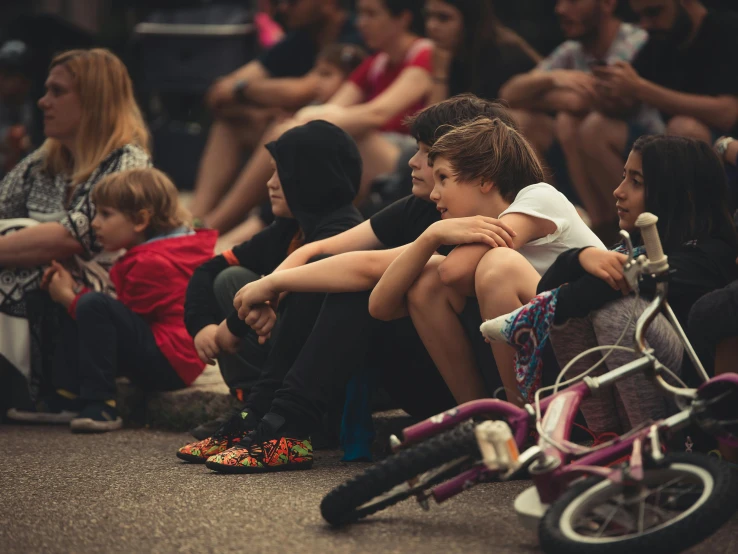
<point x="141" y="334"/>
<point x="393" y="83"/>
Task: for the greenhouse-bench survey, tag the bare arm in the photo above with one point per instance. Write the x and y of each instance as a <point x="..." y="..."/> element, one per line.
<point x="361" y="237"/>
<point x="37" y="245"/>
<point x="459" y="267"/>
<point x="556" y="90"/>
<point x="348" y="272"/>
<point x="720" y="112"/>
<point x="387" y="300"/>
<point x="412" y="85"/>
<point x="287" y="92"/>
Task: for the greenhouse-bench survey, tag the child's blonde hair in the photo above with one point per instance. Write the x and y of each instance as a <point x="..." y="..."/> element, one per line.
<point x="137" y="190"/>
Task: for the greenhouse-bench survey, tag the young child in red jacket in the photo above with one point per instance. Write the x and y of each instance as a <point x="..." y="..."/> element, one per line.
<point x="141" y="334"/>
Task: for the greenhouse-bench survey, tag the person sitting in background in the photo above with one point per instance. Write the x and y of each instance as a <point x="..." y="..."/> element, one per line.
<point x="474" y="52"/>
<point x="333" y="66"/>
<point x="244" y="102"/>
<point x="16" y="107"/>
<point x="93" y="128"/>
<point x="139" y="334"/>
<point x="566" y="85"/>
<point x="316" y="172"/>
<point x="390" y="85"/>
<point x="684" y="71"/>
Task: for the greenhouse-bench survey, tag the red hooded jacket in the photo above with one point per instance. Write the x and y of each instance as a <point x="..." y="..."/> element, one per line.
<point x="151" y="280"/>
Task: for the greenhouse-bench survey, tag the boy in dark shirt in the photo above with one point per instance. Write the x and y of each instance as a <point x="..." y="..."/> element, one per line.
<point x="345" y="337"/>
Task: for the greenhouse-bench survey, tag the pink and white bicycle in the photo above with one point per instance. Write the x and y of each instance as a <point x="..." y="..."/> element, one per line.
<point x="654" y="502"/>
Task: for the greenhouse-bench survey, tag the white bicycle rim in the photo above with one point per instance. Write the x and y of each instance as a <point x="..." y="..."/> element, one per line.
<point x="605" y="490"/>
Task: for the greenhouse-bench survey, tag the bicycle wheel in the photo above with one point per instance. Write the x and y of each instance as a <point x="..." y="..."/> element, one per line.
<point x="386" y="483"/>
<point x="682" y="500"/>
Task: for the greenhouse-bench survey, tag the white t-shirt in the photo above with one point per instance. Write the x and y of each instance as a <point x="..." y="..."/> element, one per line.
<point x="544" y="201"/>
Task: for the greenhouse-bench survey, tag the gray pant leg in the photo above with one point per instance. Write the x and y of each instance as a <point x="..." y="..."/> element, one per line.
<point x="242" y="369"/>
<point x="569" y="340"/>
<point x="642" y="398"/>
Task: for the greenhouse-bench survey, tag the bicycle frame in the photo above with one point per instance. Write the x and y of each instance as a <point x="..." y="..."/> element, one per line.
<point x="551" y="469"/>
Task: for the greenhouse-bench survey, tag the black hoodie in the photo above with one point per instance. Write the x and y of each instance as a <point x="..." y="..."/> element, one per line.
<point x="319" y="167"/>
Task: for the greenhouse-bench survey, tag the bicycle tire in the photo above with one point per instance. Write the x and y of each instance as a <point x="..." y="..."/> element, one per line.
<point x="343" y="504"/>
<point x="713" y="509"/>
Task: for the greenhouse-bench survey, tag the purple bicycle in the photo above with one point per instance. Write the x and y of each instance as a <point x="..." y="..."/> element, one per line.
<point x="654" y="502"/>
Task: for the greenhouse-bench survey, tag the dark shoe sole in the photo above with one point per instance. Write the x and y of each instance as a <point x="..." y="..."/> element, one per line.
<point x="190" y="458"/>
<point x="248" y="469"/>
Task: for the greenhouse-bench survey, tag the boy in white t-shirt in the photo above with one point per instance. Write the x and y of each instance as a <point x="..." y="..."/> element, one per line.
<point x="509" y="232"/>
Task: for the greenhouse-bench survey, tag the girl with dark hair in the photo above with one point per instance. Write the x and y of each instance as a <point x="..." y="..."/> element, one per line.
<point x="474" y="51"/>
<point x="588" y="302"/>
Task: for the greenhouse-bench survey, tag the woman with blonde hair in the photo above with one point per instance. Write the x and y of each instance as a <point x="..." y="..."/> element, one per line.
<point x="93" y="128"/>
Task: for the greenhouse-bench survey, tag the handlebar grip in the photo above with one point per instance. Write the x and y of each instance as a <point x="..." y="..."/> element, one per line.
<point x="646" y="222"/>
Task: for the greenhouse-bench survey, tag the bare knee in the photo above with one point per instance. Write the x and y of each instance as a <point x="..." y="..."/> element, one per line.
<point x="600" y="133"/>
<point x="685" y="126"/>
<point x="505" y="274"/>
<point x="427" y="287"/>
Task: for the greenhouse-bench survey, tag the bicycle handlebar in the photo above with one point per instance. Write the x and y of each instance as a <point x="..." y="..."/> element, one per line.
<point x="657" y="261"/>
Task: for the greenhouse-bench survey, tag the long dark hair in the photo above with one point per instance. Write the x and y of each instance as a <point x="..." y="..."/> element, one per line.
<point x="687" y="189"/>
<point x="482" y="32"/>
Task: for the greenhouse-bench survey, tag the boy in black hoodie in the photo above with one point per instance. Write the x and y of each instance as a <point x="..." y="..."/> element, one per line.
<point x="317" y="174"/>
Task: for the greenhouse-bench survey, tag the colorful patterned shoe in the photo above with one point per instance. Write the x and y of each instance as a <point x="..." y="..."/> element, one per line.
<point x="526" y="329"/>
<point x="231" y="433"/>
<point x="268" y="449"/>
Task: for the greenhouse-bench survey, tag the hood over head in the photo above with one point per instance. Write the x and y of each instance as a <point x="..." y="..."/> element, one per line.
<point x="319" y="166"/>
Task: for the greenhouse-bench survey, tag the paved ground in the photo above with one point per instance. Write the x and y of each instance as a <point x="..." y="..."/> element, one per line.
<point x="126" y="492"/>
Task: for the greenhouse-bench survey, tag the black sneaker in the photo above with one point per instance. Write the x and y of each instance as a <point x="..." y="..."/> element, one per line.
<point x="211" y="428"/>
<point x="52" y="409"/>
<point x="97" y="417"/>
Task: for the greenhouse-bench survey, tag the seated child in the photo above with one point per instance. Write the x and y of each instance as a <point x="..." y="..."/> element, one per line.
<point x="332" y="68"/>
<point x="510" y="227"/>
<point x="141" y="333"/>
<point x="588" y="302"/>
<point x="317" y="171"/>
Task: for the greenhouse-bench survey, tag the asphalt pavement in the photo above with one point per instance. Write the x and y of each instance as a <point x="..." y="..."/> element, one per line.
<point x="127" y="492"/>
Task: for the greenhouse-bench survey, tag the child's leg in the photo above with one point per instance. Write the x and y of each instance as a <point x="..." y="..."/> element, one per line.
<point x="568" y="341"/>
<point x="642" y="398"/>
<point x="112" y="337"/>
<point x="241" y="370"/>
<point x="504" y="281"/>
<point x="435" y="309"/>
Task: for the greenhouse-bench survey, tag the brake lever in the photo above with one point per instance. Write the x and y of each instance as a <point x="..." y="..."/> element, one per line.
<point x="632" y="270"/>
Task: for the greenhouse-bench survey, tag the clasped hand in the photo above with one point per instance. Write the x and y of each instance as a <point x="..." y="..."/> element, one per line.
<point x="476" y="229"/>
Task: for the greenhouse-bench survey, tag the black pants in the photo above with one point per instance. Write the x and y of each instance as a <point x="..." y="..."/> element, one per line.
<point x="109" y="340"/>
<point x="712" y="319"/>
<point x="241" y="370"/>
<point x="344" y="339"/>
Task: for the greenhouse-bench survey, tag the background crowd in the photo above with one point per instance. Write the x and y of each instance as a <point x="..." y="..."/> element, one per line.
<point x="332" y="112"/>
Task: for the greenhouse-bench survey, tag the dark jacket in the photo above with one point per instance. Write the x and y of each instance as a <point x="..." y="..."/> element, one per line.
<point x="319" y="167"/>
<point x="696" y="268"/>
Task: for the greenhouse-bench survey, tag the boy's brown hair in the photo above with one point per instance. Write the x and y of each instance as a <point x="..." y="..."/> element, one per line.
<point x="431" y="123"/>
<point x="137" y="190"/>
<point x="490" y="150"/>
<point x="345" y="57"/>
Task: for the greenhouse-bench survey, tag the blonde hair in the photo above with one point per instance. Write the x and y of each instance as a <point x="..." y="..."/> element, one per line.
<point x="136" y="190"/>
<point x="110" y="116"/>
<point x="490" y="150"/>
